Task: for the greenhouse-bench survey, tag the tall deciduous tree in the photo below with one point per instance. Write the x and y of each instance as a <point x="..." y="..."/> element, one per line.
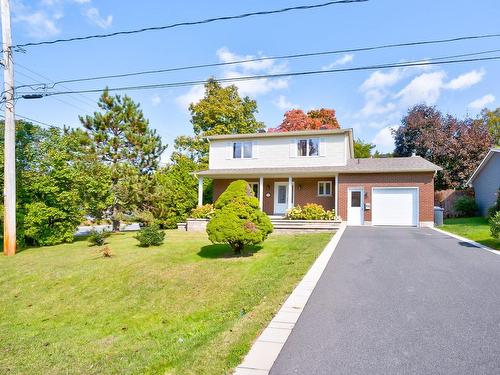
<point x="120" y="137"/>
<point x="458" y="146"/>
<point x="221" y="111"/>
<point x="296" y="119"/>
<point x="363" y="149"/>
<point x="492" y="120"/>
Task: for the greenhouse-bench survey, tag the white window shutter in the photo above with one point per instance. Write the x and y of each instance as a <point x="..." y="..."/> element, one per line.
<point x="293" y="148"/>
<point x="229" y="150"/>
<point x="322" y="147"/>
<point x="255" y="150"/>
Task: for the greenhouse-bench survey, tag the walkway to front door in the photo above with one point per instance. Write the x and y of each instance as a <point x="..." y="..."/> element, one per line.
<point x="399" y="301"/>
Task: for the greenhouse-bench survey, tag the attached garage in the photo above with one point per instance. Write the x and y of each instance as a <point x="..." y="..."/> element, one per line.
<point x="395" y="206"/>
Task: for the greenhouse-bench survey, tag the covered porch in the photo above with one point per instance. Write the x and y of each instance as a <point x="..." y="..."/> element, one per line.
<point x="279" y="191"/>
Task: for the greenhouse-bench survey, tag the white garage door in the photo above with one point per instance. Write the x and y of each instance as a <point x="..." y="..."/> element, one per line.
<point x="395" y="206"/>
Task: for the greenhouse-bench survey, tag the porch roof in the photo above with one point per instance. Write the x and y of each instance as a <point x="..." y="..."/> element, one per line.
<point x="370" y="165"/>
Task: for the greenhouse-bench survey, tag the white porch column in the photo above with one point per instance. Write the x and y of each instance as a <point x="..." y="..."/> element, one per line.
<point x="289" y="195"/>
<point x="337" y="194"/>
<point x="200" y="191"/>
<point x="261" y="193"/>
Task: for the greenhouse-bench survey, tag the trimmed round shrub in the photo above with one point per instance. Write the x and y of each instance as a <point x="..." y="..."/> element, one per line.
<point x="310" y="211"/>
<point x="203" y="212"/>
<point x="150" y="236"/>
<point x="465" y="206"/>
<point x="495" y="225"/>
<point x="237" y="219"/>
<point x="98" y="237"/>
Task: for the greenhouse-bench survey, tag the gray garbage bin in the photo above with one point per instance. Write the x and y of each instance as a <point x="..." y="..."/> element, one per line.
<point x="438" y="216"/>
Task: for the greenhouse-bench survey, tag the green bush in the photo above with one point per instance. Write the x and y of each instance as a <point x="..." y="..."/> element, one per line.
<point x="465" y="206"/>
<point x="496" y="207"/>
<point x="203" y="212"/>
<point x="45" y="225"/>
<point x="150" y="236"/>
<point x="310" y="211"/>
<point x="238" y="220"/>
<point x="495" y="225"/>
<point x="97" y="237"/>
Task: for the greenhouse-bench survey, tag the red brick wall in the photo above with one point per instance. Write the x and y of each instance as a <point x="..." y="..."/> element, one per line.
<point x="306" y="191"/>
<point x="423" y="180"/>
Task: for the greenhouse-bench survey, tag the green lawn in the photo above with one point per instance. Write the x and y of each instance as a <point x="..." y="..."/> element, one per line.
<point x="474" y="228"/>
<point x="187" y="307"/>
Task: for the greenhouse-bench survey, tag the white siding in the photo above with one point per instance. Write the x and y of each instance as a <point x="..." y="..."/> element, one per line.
<point x="279" y="152"/>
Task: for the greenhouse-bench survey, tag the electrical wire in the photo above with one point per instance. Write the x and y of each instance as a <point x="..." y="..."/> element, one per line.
<point x="188" y="23"/>
<point x="427" y="62"/>
<point x="84" y="99"/>
<point x="289" y="56"/>
<point x="33" y="120"/>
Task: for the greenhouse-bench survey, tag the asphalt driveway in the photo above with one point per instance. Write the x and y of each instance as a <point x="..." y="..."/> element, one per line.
<point x="399" y="301"/>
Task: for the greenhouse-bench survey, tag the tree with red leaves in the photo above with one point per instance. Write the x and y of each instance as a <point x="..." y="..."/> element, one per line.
<point x="458" y="146"/>
<point x="315" y="119"/>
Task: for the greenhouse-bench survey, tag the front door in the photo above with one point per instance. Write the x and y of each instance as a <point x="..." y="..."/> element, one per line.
<point x="355" y="206"/>
<point x="281" y="197"/>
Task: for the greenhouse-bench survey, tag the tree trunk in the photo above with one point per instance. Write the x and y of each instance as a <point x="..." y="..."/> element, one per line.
<point x="114" y="220"/>
<point x="237" y="247"/>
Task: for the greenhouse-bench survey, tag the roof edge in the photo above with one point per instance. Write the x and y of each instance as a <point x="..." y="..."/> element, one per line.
<point x="280" y="134"/>
<point x="481" y="165"/>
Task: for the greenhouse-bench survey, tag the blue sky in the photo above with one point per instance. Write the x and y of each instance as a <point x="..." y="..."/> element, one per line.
<point x="370" y="102"/>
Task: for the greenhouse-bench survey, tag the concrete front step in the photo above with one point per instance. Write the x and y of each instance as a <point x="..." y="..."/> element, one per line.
<point x="305" y="225"/>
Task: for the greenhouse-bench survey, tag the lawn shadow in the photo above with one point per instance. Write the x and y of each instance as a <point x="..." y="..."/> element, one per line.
<point x="224" y="251"/>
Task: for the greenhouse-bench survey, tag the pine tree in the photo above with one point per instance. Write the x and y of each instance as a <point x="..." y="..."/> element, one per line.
<point x="120" y="137"/>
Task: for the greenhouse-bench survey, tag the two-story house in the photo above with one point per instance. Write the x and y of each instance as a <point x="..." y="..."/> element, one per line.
<point x="318" y="166"/>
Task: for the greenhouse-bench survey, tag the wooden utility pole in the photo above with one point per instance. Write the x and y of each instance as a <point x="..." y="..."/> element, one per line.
<point x="9" y="225"/>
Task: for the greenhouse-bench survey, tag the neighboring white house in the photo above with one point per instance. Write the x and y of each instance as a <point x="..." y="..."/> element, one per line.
<point x="486" y="181"/>
<point x="318" y="166"/>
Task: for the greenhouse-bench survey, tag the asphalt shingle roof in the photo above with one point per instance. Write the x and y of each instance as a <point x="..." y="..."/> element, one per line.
<point x="369" y="165"/>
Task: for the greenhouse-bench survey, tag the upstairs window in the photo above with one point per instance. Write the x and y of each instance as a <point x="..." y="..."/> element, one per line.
<point x="242" y="150"/>
<point x="308" y="147"/>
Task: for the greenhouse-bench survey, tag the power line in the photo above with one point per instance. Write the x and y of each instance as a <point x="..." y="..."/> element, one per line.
<point x="428" y="62"/>
<point x="86" y="100"/>
<point x="289" y="56"/>
<point x="189" y="23"/>
<point x="58" y="99"/>
<point x="33" y="120"/>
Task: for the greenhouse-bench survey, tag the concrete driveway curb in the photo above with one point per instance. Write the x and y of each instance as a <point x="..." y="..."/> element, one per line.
<point x="268" y="345"/>
<point x="477" y="244"/>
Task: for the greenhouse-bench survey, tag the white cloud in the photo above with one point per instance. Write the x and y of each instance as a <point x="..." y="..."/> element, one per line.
<point x="374" y="104"/>
<point x="425" y="88"/>
<point x="253" y="87"/>
<point x="95" y="17"/>
<point x="39" y="23"/>
<point x="379" y="79"/>
<point x="226" y="56"/>
<point x="250" y="87"/>
<point x="194" y="94"/>
<point x="283" y="104"/>
<point x="480" y="103"/>
<point x="466" y="80"/>
<point x="156" y="100"/>
<point x="82" y="1"/>
<point x="384" y="140"/>
<point x="347" y="58"/>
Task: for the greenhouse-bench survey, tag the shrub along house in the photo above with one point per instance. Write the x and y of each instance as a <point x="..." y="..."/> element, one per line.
<point x="318" y="166"/>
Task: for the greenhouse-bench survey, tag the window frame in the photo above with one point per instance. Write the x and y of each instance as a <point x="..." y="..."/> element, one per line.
<point x="242" y="150"/>
<point x="325" y="183"/>
<point x="308" y="148"/>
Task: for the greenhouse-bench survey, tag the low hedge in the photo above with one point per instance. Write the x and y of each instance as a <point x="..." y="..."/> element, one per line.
<point x="310" y="211"/>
